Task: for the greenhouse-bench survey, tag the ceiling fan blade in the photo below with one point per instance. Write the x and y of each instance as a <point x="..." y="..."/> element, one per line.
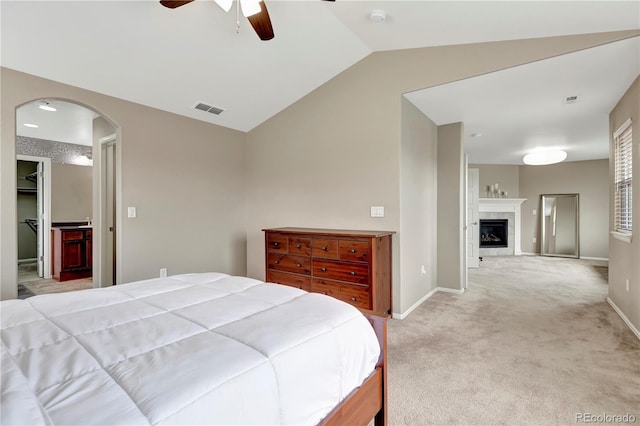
<point x="261" y="23"/>
<point x="173" y="4"/>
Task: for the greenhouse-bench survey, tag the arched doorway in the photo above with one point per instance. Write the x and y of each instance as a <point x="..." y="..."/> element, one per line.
<point x="74" y="150"/>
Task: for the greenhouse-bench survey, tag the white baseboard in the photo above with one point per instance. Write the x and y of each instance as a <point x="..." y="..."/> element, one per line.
<point x="424" y="299"/>
<point x="33" y="260"/>
<point x="450" y="290"/>
<point x="604" y="259"/>
<point x="530" y="254"/>
<point x="624" y="318"/>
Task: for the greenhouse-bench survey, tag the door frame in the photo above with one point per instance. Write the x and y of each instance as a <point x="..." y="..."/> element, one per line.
<point x="105" y="207"/>
<point x="44" y="222"/>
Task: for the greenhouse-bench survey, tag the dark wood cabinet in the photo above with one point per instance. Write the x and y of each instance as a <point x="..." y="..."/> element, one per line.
<point x="72" y="253"/>
<point x="353" y="266"/>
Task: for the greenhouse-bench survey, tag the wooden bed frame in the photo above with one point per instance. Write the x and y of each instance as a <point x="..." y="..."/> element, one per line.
<point x="369" y="401"/>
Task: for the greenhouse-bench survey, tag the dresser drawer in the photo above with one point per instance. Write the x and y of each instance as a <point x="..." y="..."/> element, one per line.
<point x="354" y="294"/>
<point x="300" y="246"/>
<point x="277" y="243"/>
<point x="298" y="281"/>
<point x="354" y="250"/>
<point x="325" y="248"/>
<point x="341" y="271"/>
<point x="289" y="263"/>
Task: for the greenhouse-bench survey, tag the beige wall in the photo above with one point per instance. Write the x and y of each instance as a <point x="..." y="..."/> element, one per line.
<point x="624" y="257"/>
<point x="71" y="192"/>
<point x="323" y="161"/>
<point x="451" y="254"/>
<point x="186" y="178"/>
<point x="506" y="176"/>
<point x="587" y="178"/>
<point x="418" y="206"/>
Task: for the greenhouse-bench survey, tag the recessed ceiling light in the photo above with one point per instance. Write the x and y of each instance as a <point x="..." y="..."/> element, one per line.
<point x="47" y="107"/>
<point x="35" y="126"/>
<point x="541" y="158"/>
<point x="476" y="135"/>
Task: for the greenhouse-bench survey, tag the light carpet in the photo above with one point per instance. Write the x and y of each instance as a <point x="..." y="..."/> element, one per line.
<point x="532" y="342"/>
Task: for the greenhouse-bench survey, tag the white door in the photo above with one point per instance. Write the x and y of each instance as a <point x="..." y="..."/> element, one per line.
<point x="473" y="244"/>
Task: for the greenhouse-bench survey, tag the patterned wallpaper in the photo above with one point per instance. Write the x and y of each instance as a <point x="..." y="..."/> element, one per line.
<point x="59" y="152"/>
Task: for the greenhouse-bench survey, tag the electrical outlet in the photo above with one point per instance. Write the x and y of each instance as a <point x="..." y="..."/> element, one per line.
<point x="627" y="284"/>
<point x="535" y="212"/>
<point x="163" y="272"/>
<point x="131" y="212"/>
<point x="423" y="271"/>
<point x="535" y="240"/>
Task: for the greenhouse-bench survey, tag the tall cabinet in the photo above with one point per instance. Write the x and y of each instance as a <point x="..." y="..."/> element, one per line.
<point x="353" y="266"/>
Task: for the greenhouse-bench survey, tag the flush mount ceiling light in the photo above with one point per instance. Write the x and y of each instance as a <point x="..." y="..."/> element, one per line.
<point x="46" y="105"/>
<point x="33" y="126"/>
<point x="541" y="158"/>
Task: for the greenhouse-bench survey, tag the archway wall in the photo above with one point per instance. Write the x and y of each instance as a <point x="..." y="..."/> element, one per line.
<point x="184" y="176"/>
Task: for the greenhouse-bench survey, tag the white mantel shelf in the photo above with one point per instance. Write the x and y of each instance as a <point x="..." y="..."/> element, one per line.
<point x="502" y="201"/>
<point x="505" y="205"/>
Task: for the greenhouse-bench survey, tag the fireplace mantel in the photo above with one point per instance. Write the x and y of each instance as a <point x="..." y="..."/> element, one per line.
<point x="493" y="202"/>
<point x="506" y="205"/>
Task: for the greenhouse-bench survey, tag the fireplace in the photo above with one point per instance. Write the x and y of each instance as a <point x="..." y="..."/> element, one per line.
<point x="494" y="233"/>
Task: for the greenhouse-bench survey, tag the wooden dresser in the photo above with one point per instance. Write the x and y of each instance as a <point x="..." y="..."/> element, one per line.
<point x="353" y="266"/>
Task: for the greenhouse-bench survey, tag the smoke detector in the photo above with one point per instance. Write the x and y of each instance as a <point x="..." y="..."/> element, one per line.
<point x="571" y="99"/>
<point x="378" y="16"/>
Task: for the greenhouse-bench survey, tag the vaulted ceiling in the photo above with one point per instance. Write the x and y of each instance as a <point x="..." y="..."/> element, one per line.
<point x="174" y="59"/>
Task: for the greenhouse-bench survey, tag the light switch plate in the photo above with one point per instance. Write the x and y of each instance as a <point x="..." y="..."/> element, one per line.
<point x="131" y="211"/>
<point x="377" y="211"/>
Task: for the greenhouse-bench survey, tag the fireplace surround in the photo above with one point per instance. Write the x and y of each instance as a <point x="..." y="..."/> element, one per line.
<point x="505" y="209"/>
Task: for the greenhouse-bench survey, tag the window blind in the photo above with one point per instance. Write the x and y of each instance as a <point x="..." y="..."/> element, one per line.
<point x="623" y="178"/>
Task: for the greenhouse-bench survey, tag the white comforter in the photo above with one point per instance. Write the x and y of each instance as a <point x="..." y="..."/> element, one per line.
<point x="188" y="349"/>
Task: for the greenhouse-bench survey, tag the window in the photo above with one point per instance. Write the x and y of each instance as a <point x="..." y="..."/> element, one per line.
<point x="623" y="178"/>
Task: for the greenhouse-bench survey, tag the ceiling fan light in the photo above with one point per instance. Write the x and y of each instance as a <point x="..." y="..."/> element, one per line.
<point x="225" y="4"/>
<point x="250" y="7"/>
<point x="541" y="158"/>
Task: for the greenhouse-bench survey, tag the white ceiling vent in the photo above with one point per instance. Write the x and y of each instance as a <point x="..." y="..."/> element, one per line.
<point x="209" y="108"/>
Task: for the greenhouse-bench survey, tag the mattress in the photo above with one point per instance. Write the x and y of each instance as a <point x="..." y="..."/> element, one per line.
<point x="204" y="348"/>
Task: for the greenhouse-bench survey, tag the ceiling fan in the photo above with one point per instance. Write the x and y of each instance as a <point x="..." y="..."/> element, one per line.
<point x="254" y="10"/>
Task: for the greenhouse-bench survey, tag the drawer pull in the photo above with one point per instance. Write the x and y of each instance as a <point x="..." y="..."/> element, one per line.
<point x="353" y="299"/>
<point x="352" y="250"/>
<point x="323" y="269"/>
<point x="298" y="245"/>
<point x="277" y="262"/>
<point x="324" y="248"/>
<point x="298" y="265"/>
<point x="353" y="274"/>
<point x="276" y="244"/>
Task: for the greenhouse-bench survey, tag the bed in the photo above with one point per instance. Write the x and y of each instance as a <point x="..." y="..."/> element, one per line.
<point x="204" y="348"/>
